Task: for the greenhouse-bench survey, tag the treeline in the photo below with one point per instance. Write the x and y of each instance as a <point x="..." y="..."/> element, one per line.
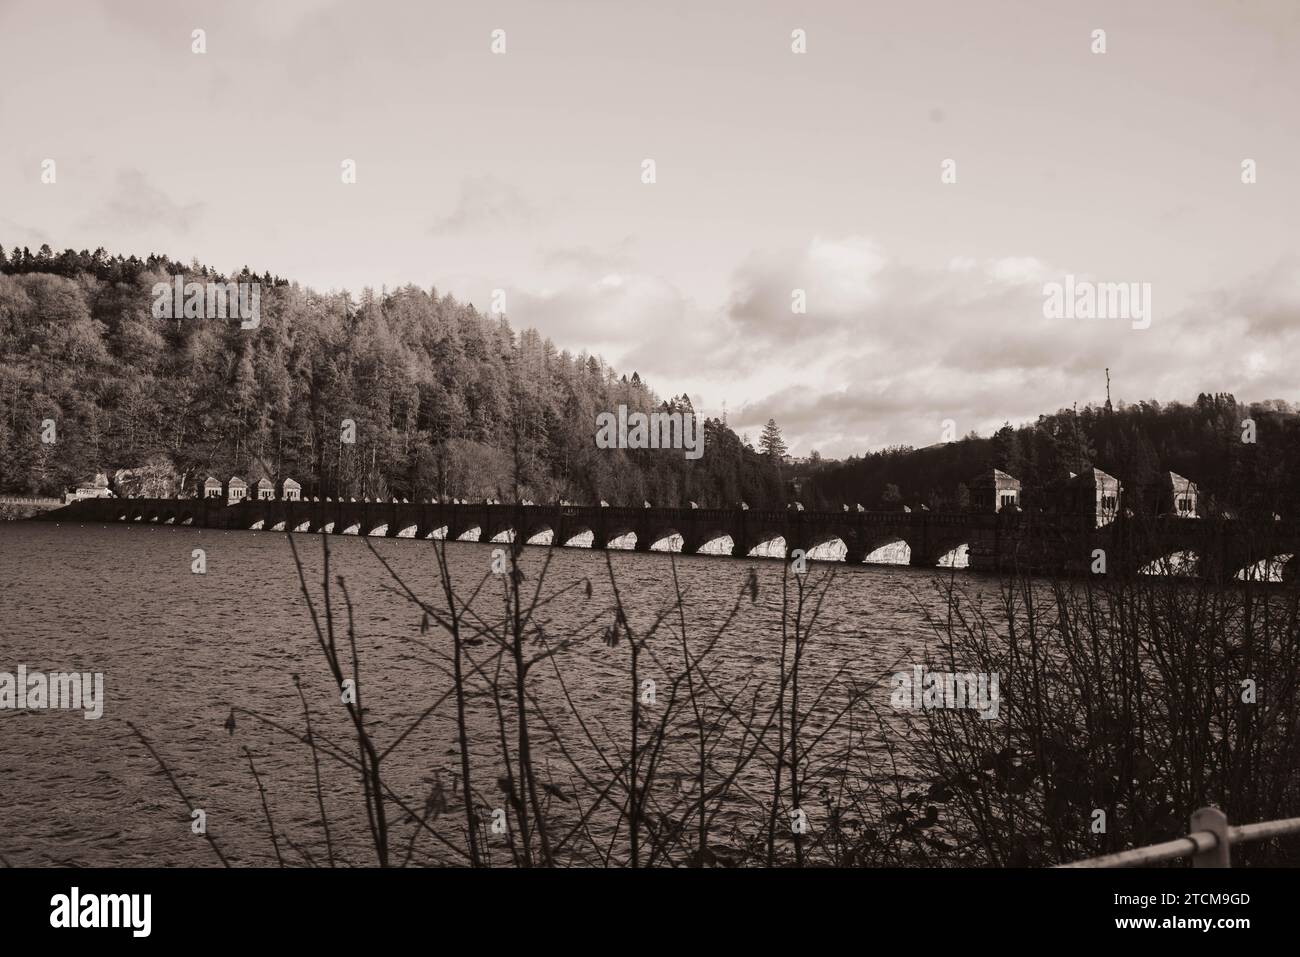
<point x="445" y="401"/>
<point x="1206" y="441"/>
<point x="114" y="269"/>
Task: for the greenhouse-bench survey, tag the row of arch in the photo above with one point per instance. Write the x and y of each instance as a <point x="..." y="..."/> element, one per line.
<point x="1186" y="563"/>
<point x="893" y="551"/>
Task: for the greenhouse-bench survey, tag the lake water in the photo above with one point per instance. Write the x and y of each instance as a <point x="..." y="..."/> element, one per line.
<point x="178" y="650"/>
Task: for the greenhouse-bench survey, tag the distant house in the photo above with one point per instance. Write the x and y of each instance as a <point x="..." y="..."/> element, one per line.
<point x="1169" y="494"/>
<point x="1091" y="492"/>
<point x="1178" y="496"/>
<point x="96" y="487"/>
<point x="292" y="491"/>
<point x="994" y="490"/>
<point x="236" y="490"/>
<point x="212" y="487"/>
<point x="265" y="490"/>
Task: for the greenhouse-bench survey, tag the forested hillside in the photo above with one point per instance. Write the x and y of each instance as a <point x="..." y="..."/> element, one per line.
<point x="446" y="401"/>
<point x="1205" y="441"/>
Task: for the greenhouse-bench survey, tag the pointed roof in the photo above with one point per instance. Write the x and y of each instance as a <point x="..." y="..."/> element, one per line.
<point x="1093" y="476"/>
<point x="991" y="478"/>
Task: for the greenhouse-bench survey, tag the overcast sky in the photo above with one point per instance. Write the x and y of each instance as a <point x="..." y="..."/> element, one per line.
<point x="775" y="171"/>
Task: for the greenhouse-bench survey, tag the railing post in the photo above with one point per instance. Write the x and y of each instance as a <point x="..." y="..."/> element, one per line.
<point x="1213" y="820"/>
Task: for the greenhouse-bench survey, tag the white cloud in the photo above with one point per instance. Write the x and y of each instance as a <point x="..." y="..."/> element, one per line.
<point x="485" y="202"/>
<point x="889" y="351"/>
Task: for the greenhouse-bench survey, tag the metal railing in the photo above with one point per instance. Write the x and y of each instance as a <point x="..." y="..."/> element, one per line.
<point x="1208" y="845"/>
